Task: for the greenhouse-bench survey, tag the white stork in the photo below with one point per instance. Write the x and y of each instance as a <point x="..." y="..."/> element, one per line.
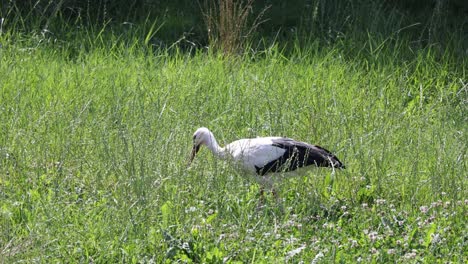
<point x="264" y="155"/>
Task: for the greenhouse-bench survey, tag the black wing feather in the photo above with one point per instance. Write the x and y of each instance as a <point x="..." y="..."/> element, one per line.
<point x="299" y="154"/>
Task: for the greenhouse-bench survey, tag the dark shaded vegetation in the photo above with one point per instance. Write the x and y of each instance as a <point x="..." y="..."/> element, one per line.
<point x="299" y="21"/>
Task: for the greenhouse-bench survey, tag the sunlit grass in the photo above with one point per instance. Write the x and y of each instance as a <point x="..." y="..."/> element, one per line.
<point x="94" y="142"/>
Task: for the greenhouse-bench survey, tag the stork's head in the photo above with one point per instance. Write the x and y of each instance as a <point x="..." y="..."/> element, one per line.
<point x="202" y="136"/>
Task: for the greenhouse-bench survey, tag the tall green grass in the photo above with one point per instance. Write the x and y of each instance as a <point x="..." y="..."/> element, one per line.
<point x="95" y="133"/>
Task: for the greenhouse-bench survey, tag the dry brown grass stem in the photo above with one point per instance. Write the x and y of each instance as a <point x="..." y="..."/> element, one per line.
<point x="228" y="23"/>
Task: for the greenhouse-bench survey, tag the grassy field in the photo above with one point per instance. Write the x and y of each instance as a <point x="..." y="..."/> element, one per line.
<point x="94" y="142"/>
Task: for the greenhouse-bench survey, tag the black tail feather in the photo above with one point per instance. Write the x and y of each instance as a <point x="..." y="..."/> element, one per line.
<point x="299" y="154"/>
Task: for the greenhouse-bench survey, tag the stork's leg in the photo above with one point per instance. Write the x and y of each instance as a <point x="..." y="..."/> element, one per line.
<point x="274" y="193"/>
<point x="263" y="181"/>
<point x="279" y="201"/>
<point x="266" y="183"/>
<point x="261" y="200"/>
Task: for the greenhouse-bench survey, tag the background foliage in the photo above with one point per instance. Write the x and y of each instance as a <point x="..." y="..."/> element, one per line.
<point x="433" y="21"/>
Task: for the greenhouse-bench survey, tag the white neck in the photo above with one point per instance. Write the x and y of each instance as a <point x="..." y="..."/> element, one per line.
<point x="212" y="145"/>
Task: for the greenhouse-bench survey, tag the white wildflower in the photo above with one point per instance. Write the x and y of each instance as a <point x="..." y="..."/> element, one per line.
<point x="317" y="258"/>
<point x="409" y="255"/>
<point x="380" y="201"/>
<point x="373" y="236"/>
<point x="435" y="238"/>
<point x="424" y="209"/>
<point x="294" y="252"/>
